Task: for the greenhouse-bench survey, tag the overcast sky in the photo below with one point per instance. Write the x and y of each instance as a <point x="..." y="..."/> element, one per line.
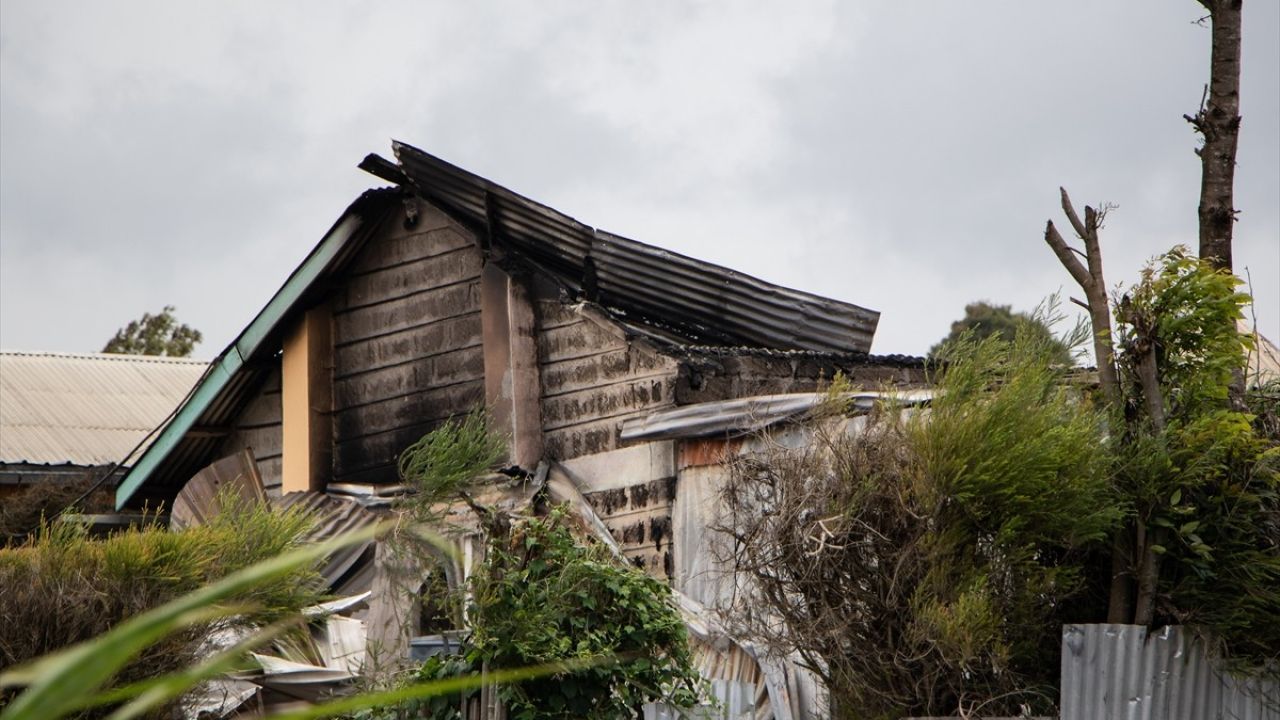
<point x="900" y="156"/>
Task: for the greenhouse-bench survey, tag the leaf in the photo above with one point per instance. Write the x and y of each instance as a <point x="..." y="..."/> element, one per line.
<point x="1176" y="497"/>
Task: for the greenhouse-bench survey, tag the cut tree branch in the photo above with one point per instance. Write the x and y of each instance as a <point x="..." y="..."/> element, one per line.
<point x="1091" y="280"/>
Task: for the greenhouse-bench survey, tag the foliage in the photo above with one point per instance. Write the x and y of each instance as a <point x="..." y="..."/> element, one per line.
<point x="158" y="334"/>
<point x="1186" y="311"/>
<point x="542" y="597"/>
<point x="69" y="680"/>
<point x="63" y="588"/>
<point x="1264" y="404"/>
<point x="982" y="320"/>
<point x="1204" y="485"/>
<point x="923" y="562"/>
<point x="441" y="463"/>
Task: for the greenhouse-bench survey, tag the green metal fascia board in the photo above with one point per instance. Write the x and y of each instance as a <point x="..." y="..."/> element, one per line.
<point x="234" y="358"/>
<point x="297" y="284"/>
<point x="169" y="438"/>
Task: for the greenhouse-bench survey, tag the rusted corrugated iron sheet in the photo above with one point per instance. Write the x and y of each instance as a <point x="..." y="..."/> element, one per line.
<point x="1124" y="672"/>
<point x="748" y="415"/>
<point x="700" y="302"/>
<point x="86" y="409"/>
<point x="334" y="517"/>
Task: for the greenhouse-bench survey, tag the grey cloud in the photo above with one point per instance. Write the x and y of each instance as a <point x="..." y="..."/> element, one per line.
<point x="903" y="157"/>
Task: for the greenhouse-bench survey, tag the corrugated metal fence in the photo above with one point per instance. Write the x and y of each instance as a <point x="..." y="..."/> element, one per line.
<point x="1123" y="672"/>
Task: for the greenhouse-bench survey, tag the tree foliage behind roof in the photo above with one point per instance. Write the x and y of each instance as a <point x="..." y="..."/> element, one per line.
<point x="983" y="319"/>
<point x="159" y="334"/>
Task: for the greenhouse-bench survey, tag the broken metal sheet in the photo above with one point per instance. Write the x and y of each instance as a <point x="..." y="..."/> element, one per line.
<point x="341" y="643"/>
<point x="496" y="491"/>
<point x="335" y="516"/>
<point x="367" y="490"/>
<point x="311" y="683"/>
<point x="1263" y="359"/>
<point x="507" y="494"/>
<point x="198" y="501"/>
<point x="678" y="296"/>
<point x="218" y="698"/>
<point x="339" y="605"/>
<point x="717" y="655"/>
<point x="564" y="487"/>
<point x="748" y="415"/>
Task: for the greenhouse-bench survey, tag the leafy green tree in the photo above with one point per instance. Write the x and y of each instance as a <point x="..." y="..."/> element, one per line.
<point x="159" y="334"/>
<point x="1200" y="482"/>
<point x="983" y="319"/>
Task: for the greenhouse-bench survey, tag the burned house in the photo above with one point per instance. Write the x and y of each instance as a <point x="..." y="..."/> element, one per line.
<point x="625" y="367"/>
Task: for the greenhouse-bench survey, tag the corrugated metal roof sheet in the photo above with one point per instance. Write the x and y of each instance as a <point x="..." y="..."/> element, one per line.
<point x="750" y="414"/>
<point x="701" y="302"/>
<point x="1264" y="359"/>
<point x="90" y="409"/>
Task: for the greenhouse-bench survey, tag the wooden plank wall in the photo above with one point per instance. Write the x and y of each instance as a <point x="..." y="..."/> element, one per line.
<point x="593" y="378"/>
<point x="632" y="490"/>
<point x="259" y="427"/>
<point x="407" y="349"/>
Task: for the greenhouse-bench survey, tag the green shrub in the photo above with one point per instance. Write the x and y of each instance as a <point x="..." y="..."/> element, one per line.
<point x="443" y="461"/>
<point x="63" y="587"/>
<point x="543" y="597"/>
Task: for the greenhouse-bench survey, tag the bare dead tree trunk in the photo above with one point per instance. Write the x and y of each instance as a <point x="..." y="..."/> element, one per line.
<point x="1120" y="603"/>
<point x="1095" y="291"/>
<point x="1218" y="121"/>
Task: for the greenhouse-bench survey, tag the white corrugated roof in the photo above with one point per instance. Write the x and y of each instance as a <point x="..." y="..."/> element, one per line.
<point x="88" y="409"/>
<point x="1264" y="359"/>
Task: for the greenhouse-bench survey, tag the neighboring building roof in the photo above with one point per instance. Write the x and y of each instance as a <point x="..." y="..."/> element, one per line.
<point x="1264" y="359"/>
<point x="89" y="409"/>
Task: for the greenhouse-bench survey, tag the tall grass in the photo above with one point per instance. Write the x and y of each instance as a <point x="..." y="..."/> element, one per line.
<point x="63" y="587"/>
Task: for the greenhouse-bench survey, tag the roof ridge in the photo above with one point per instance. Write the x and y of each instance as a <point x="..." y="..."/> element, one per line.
<point x="105" y="357"/>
